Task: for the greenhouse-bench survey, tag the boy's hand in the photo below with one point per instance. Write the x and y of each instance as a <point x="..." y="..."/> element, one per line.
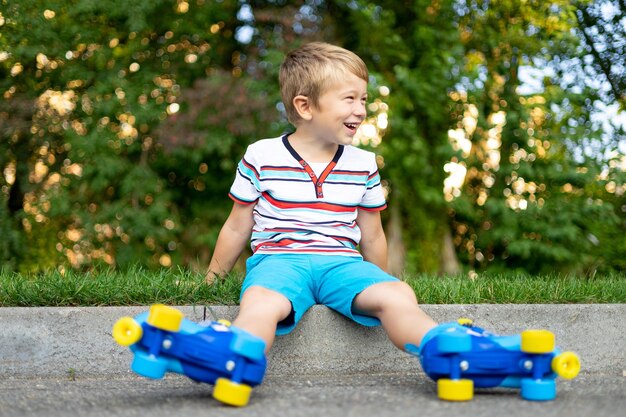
<point x="211" y="277"/>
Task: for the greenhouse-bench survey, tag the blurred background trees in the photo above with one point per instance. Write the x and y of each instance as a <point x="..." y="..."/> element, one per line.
<point x="499" y="126"/>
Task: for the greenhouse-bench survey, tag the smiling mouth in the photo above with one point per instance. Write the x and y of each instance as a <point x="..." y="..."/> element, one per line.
<point x="352" y="126"/>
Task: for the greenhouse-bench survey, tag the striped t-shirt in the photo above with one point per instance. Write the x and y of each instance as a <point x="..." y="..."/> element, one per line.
<point x="300" y="211"/>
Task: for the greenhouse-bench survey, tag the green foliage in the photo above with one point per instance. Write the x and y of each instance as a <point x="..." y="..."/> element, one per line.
<point x="538" y="207"/>
<point x="602" y="28"/>
<point x="121" y="125"/>
<point x="101" y="78"/>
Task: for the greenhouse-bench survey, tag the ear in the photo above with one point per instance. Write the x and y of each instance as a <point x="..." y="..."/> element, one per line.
<point x="303" y="106"/>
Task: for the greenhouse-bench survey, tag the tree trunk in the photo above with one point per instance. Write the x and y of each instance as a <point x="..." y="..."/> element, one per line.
<point x="395" y="243"/>
<point x="449" y="261"/>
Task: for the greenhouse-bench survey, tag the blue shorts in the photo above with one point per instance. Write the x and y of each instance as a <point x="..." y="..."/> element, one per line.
<point x="307" y="280"/>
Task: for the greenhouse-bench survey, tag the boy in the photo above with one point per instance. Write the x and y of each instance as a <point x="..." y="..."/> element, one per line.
<point x="308" y="199"/>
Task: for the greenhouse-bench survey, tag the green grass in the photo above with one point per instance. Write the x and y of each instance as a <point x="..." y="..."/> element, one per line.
<point x="114" y="288"/>
<point x="180" y="287"/>
<point x="519" y="289"/>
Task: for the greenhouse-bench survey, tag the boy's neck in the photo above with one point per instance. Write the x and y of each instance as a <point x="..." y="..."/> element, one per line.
<point x="311" y="149"/>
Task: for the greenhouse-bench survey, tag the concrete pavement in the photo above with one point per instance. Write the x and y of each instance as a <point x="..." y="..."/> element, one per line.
<point x="62" y="362"/>
<point x="76" y="342"/>
<point x="410" y="394"/>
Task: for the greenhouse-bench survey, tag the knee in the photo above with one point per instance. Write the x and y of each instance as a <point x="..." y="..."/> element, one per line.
<point x="389" y="297"/>
<point x="398" y="299"/>
<point x="264" y="302"/>
<point x="256" y="294"/>
<point x="402" y="293"/>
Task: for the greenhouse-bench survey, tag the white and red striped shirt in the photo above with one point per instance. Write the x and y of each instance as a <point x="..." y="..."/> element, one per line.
<point x="302" y="208"/>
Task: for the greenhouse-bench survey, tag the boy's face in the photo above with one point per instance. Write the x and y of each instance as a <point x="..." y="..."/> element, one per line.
<point x="341" y="110"/>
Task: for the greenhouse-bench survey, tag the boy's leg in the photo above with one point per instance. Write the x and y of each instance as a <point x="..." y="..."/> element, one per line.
<point x="395" y="305"/>
<point x="260" y="311"/>
<point x="459" y="356"/>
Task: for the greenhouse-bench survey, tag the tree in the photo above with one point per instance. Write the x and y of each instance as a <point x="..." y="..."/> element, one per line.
<point x="121" y="125"/>
<point x="93" y="80"/>
<point x="602" y="28"/>
<point x="526" y="201"/>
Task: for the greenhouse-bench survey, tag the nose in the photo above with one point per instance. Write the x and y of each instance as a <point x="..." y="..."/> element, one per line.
<point x="360" y="110"/>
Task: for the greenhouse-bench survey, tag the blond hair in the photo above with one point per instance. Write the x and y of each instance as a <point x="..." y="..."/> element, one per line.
<point x="311" y="69"/>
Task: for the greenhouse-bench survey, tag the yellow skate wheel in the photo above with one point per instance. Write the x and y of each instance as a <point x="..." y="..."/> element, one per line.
<point x="231" y="393"/>
<point x="537" y="341"/>
<point x="463" y="321"/>
<point x="566" y="365"/>
<point x="225" y="322"/>
<point x="126" y="331"/>
<point x="455" y="389"/>
<point x="165" y="318"/>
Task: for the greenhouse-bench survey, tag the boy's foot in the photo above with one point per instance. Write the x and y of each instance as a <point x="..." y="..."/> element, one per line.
<point x="460" y="356"/>
<point x="215" y="352"/>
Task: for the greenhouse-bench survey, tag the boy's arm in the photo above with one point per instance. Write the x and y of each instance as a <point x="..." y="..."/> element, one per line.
<point x="373" y="241"/>
<point x="233" y="238"/>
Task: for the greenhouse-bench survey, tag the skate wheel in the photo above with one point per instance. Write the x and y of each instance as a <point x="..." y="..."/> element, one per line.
<point x="455" y="389"/>
<point x="566" y="365"/>
<point x="538" y="389"/>
<point x="454" y="342"/>
<point x="165" y="318"/>
<point x="225" y="322"/>
<point x="537" y="341"/>
<point x="148" y="365"/>
<point x="465" y="322"/>
<point x="126" y="331"/>
<point x="231" y="393"/>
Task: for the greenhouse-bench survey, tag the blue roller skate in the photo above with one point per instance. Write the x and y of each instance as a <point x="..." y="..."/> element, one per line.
<point x="460" y="356"/>
<point x="217" y="353"/>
